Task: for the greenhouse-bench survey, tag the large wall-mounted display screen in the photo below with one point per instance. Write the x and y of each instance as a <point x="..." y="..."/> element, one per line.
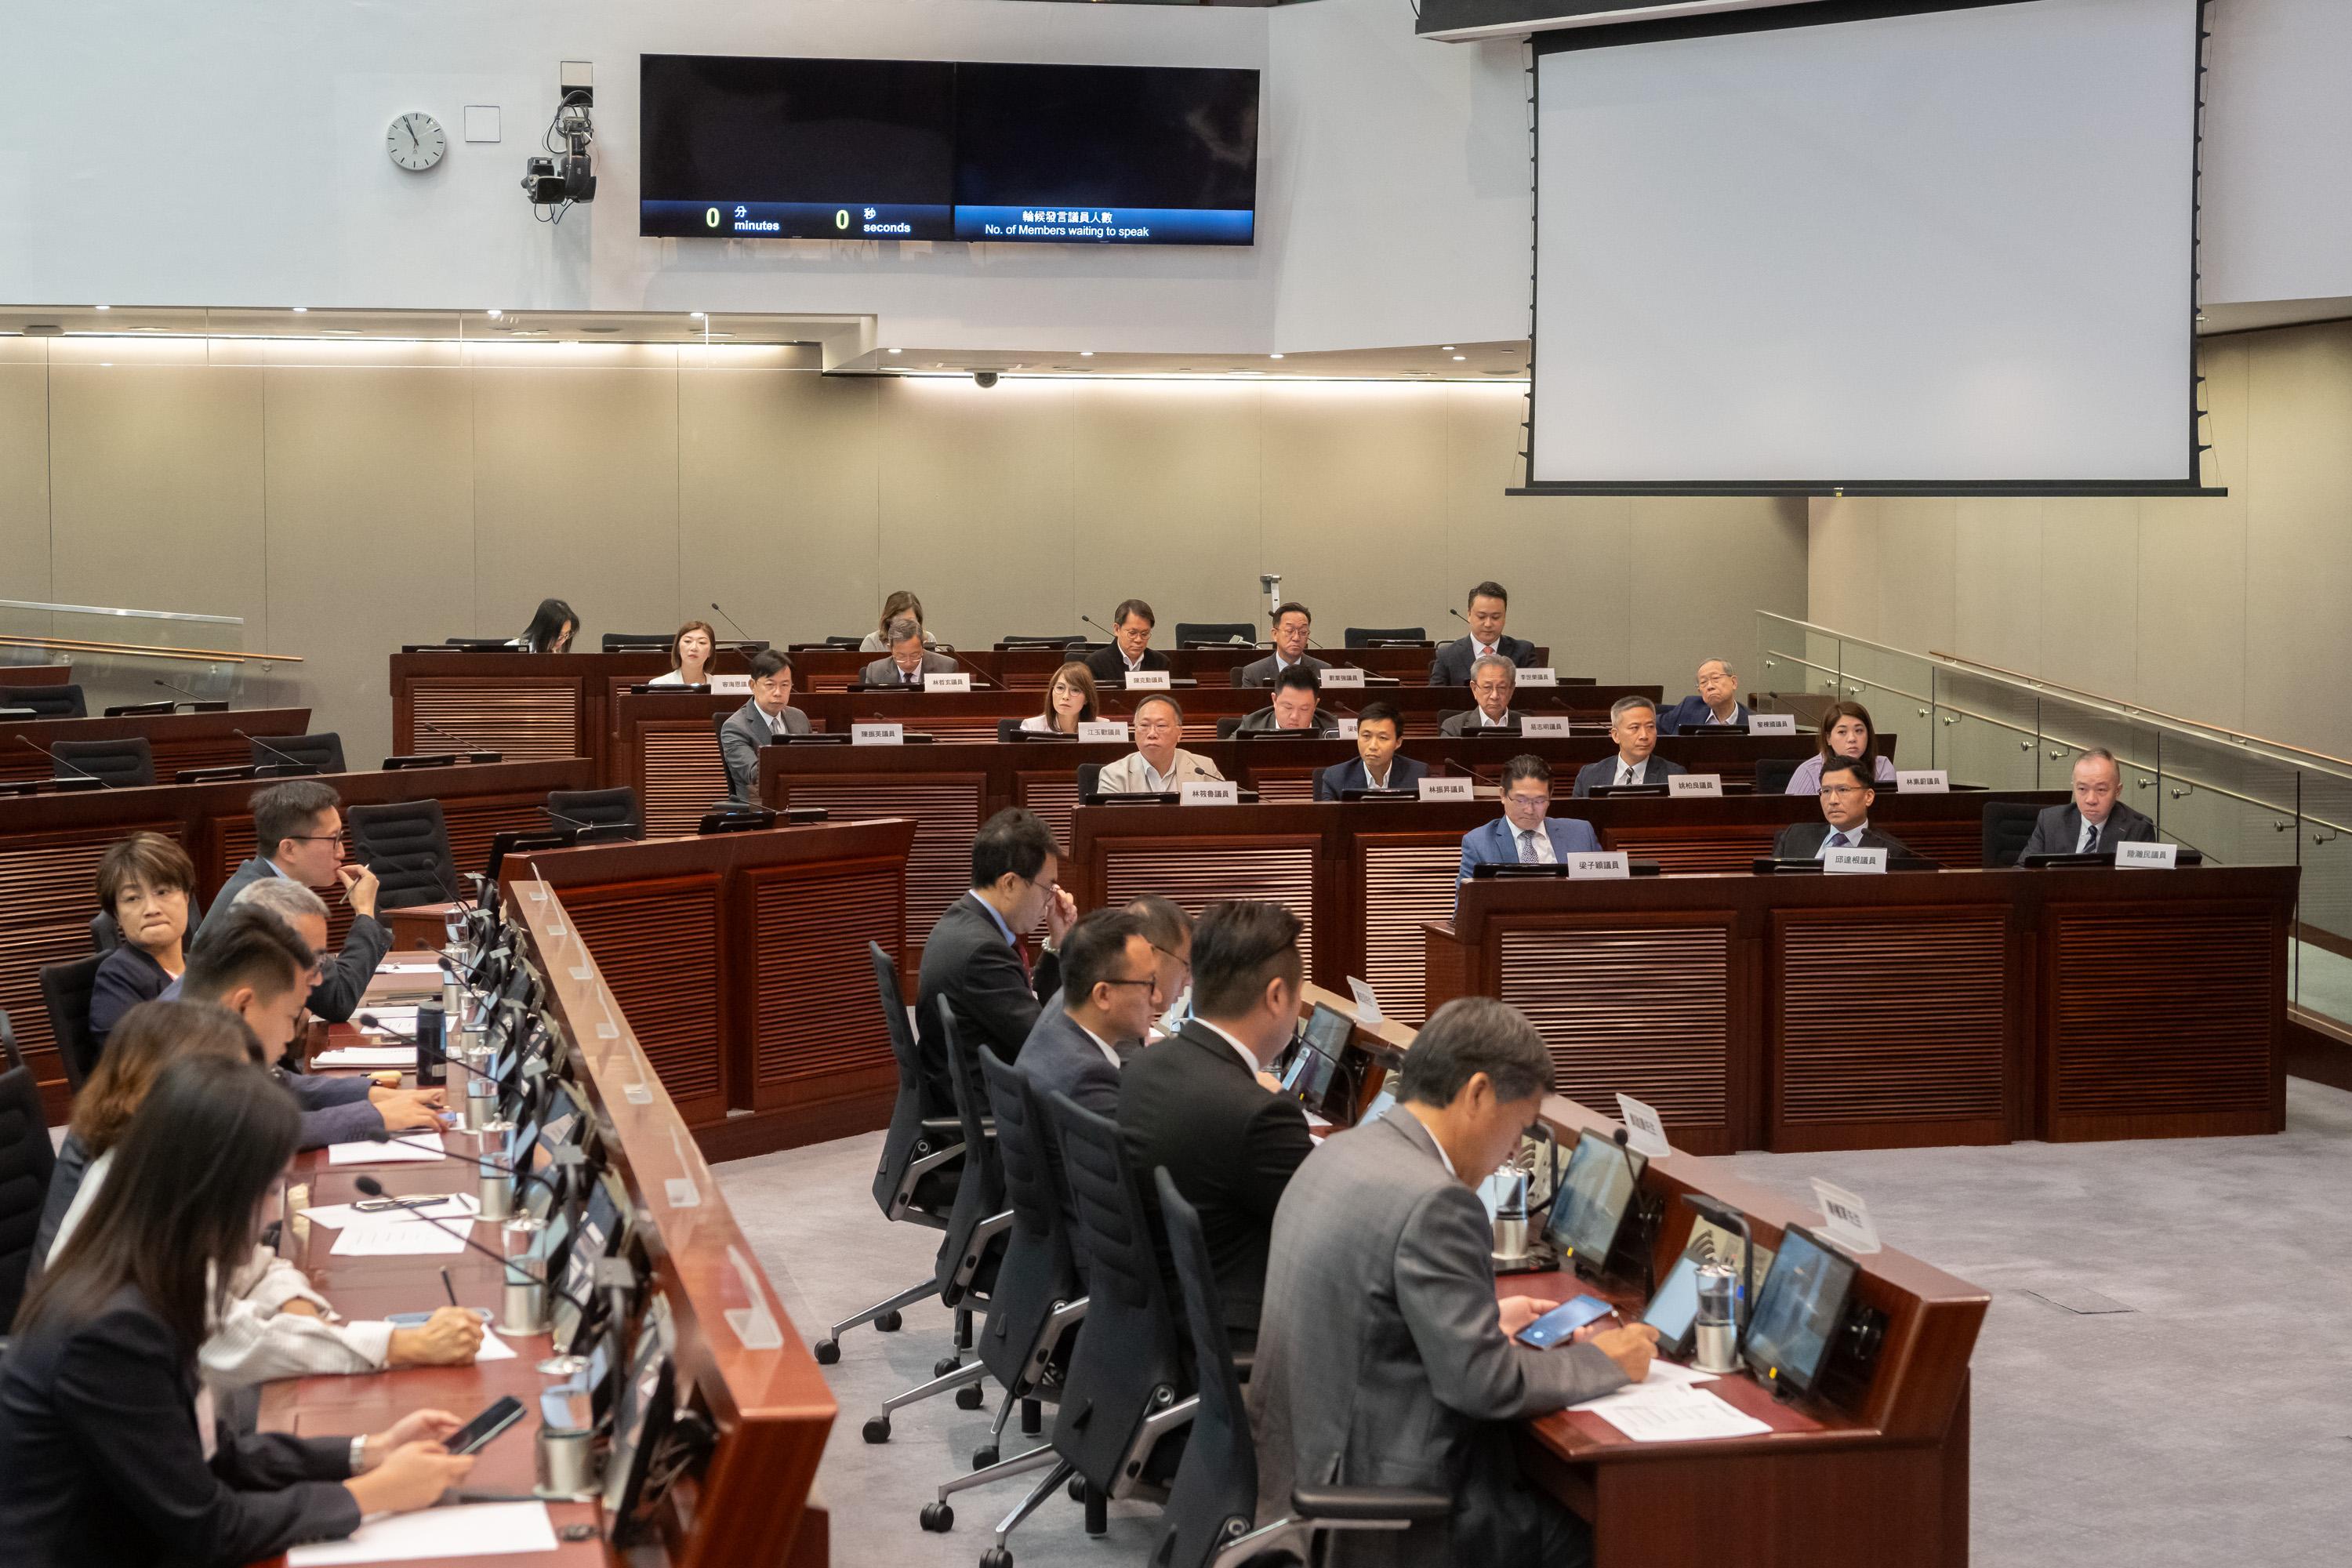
<point x="740" y="148"/>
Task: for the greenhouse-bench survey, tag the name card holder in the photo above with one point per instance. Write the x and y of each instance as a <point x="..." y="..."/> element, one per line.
<point x="1645" y="1130"/>
<point x="877" y="734"/>
<point x="1923" y="781"/>
<point x="2147" y="856"/>
<point x="1853" y="862"/>
<point x="1201" y="792"/>
<point x="1347" y="728"/>
<point x="960" y="681"/>
<point x="1446" y="789"/>
<point x="1534" y="726"/>
<point x="1541" y="675"/>
<point x="1100" y="730"/>
<point x="730" y="685"/>
<point x="1846" y="1219"/>
<point x="1771" y="723"/>
<point x="1333" y="677"/>
<point x="1147" y="680"/>
<point x="1710" y="786"/>
<point x="1608" y="867"/>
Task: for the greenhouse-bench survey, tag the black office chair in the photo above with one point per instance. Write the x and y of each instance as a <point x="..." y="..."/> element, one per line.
<point x="47" y="702"/>
<point x="853" y="643"/>
<point x="1188" y="632"/>
<point x="1227" y="725"/>
<point x="1006" y="729"/>
<point x="921" y="1165"/>
<point x="1369" y="637"/>
<point x="323" y="750"/>
<point x="10" y="1056"/>
<point x="64" y="991"/>
<point x="484" y="645"/>
<point x="2008" y="826"/>
<point x="599" y="808"/>
<point x="1090" y="775"/>
<point x="26" y="1163"/>
<point x="407" y="845"/>
<point x="1773" y="774"/>
<point x="128" y="763"/>
<point x="1060" y="639"/>
<point x="616" y="642"/>
<point x="1216" y="1496"/>
<point x="106" y="932"/>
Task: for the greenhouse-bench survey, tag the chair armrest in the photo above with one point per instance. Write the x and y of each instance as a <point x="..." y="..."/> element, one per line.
<point x="1370" y="1503"/>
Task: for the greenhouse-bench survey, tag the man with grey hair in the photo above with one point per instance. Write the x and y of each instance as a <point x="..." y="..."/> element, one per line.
<point x="2097" y="819"/>
<point x="908" y="660"/>
<point x="1716" y="703"/>
<point x="1633" y="725"/>
<point x="1493" y="680"/>
<point x="1383" y="1357"/>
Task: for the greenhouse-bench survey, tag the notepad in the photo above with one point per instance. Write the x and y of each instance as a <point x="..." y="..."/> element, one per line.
<point x="477" y="1530"/>
<point x="459" y="1207"/>
<point x="366" y="1057"/>
<point x="376" y="1239"/>
<point x="413" y="1147"/>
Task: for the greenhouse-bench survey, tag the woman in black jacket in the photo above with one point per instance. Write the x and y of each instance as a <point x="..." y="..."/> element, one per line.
<point x="109" y="1453"/>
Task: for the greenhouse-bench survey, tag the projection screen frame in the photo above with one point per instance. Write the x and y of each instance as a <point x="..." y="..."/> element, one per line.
<point x="1824" y="12"/>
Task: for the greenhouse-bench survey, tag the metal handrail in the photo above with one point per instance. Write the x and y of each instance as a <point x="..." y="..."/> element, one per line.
<point x="150" y="650"/>
<point x="117" y="610"/>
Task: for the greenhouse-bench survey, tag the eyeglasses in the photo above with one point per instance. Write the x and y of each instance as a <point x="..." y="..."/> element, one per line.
<point x="1150" y="980"/>
<point x="1527" y="802"/>
<point x="1839" y="792"/>
<point x="316" y="838"/>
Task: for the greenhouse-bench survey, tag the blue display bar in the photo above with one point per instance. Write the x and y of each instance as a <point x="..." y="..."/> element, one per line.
<point x="1107" y="226"/>
<point x="1063" y="225"/>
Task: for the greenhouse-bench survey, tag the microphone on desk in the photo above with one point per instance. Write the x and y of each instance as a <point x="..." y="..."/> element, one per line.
<point x="307" y="767"/>
<point x="1457" y="614"/>
<point x="104" y="782"/>
<point x="370" y="1021"/>
<point x="1732" y="1219"/>
<point x="1100" y="627"/>
<point x="492" y="1166"/>
<point x="183" y="692"/>
<point x="1464" y="769"/>
<point x="731" y="621"/>
<point x="555" y="816"/>
<point x="458" y="741"/>
<point x="513" y="1266"/>
<point x="978" y="674"/>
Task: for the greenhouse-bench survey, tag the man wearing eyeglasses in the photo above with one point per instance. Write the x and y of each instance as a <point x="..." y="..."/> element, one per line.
<point x="1493" y="680"/>
<point x="1528" y="834"/>
<point x="1847" y="794"/>
<point x="1110" y="990"/>
<point x="298" y="831"/>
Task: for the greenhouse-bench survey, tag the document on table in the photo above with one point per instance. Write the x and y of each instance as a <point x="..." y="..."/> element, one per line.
<point x="495" y="1349"/>
<point x="413" y="1238"/>
<point x="418" y="1146"/>
<point x="401" y="1018"/>
<point x="456" y="1206"/>
<point x="1671" y="1413"/>
<point x="366" y="1057"/>
<point x="479" y="1530"/>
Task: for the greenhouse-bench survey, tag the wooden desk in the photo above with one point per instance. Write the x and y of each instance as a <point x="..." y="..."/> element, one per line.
<point x="1367" y="876"/>
<point x="178" y="739"/>
<point x="1030" y="668"/>
<point x="1965" y="1006"/>
<point x="529" y="706"/>
<point x="744" y="958"/>
<point x="50" y="846"/>
<point x="36" y="674"/>
<point x="771" y="1407"/>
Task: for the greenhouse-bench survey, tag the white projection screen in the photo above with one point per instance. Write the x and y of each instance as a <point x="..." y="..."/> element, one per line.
<point x="1941" y="251"/>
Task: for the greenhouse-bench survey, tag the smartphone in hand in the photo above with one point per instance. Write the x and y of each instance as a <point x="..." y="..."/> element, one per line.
<point x="1562" y="1321"/>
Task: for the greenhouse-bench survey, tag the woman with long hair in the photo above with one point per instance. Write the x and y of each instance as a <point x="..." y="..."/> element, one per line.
<point x="900" y="602"/>
<point x="1845" y="732"/>
<point x="1070" y="698"/>
<point x="109" y="1453"/>
<point x="553" y="626"/>
<point x="690" y="653"/>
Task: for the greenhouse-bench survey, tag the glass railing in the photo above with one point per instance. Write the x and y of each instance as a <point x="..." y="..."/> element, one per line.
<point x="2239" y="799"/>
<point x="124" y="657"/>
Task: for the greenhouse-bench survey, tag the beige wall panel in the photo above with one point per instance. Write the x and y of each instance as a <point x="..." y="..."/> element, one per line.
<point x="2299" y="552"/>
<point x="156" y="486"/>
<point x="778" y="476"/>
<point x="1703" y="566"/>
<point x="1842" y="562"/>
<point x="1166" y="493"/>
<point x="24" y="479"/>
<point x="976" y="506"/>
<point x="1997" y="570"/>
<point x="575" y="496"/>
<point x="1355" y="505"/>
<point x="1915" y="603"/>
<point x="2090" y="593"/>
<point x="371" y="534"/>
<point x="2192" y="567"/>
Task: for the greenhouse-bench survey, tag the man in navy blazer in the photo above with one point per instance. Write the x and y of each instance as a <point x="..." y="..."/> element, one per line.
<point x="1528" y="833"/>
<point x="1380" y="730"/>
<point x="1455" y="660"/>
<point x="1717" y="702"/>
<point x="1633" y="725"/>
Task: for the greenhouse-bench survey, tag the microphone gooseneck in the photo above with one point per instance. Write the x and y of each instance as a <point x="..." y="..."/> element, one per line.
<point x="374" y="1189"/>
<point x="104" y="782"/>
<point x="731" y="621"/>
<point x="281" y="756"/>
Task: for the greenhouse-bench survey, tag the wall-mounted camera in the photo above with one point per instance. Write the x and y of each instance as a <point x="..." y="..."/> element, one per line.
<point x="566" y="177"/>
<point x="983" y="378"/>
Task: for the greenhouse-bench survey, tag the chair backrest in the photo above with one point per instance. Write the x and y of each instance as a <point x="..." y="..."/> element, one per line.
<point x="47" y="702"/>
<point x="126" y="761"/>
<point x="1090" y="775"/>
<point x="1365" y="637"/>
<point x="323" y="750"/>
<point x="106" y="932"/>
<point x="615" y="807"/>
<point x="1007" y="728"/>
<point x="1772" y="774"/>
<point x="853" y="642"/>
<point x="1039" y="1271"/>
<point x="981" y="1191"/>
<point x="10" y="1056"/>
<point x="1234" y="676"/>
<point x="616" y="641"/>
<point x="902" y="1145"/>
<point x="407" y="845"/>
<point x="1227" y="725"/>
<point x="2008" y="824"/>
<point x="1057" y="640"/>
<point x="25" y="1162"/>
<point x="1215" y="1494"/>
<point x="1214" y="631"/>
<point x="64" y="991"/>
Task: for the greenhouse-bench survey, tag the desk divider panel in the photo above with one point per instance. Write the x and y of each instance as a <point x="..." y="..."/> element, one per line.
<point x="525" y="718"/>
<point x="1407" y="880"/>
<point x="1200" y="871"/>
<point x="177" y="740"/>
<point x="815" y="1029"/>
<point x="947" y="810"/>
<point x="659" y="947"/>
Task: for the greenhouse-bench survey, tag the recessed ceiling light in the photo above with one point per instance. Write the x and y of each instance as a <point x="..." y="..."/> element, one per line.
<point x="1274" y="357"/>
<point x="898" y="351"/>
<point x="302" y="310"/>
<point x="496" y="312"/>
<point x="1085" y="354"/>
<point x="1459" y="358"/>
<point x="722" y="334"/>
<point x="1445" y="348"/>
<point x="101" y="307"/>
<point x="697" y="315"/>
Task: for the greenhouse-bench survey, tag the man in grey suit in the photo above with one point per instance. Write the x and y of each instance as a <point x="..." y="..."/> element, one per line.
<point x="1633" y="725"/>
<point x="1292" y="621"/>
<point x="1383" y="1357"/>
<point x="297" y="833"/>
<point x="1492" y="680"/>
<point x="908" y="659"/>
<point x="1293" y="709"/>
<point x="2098" y="820"/>
<point x="768" y="714"/>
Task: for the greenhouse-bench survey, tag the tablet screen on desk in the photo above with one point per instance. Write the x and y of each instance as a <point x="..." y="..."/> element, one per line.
<point x="1592" y="1199"/>
<point x="1798" y="1309"/>
<point x="1673" y="1311"/>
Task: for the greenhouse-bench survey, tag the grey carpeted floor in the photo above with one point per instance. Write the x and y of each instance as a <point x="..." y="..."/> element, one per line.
<point x="2209" y="1421"/>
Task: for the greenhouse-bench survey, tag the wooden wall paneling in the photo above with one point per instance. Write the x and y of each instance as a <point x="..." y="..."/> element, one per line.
<point x="661" y="948"/>
<point x="814" y="1030"/>
<point x="1407" y="880"/>
<point x="527" y="718"/>
<point x="1197" y="871"/>
<point x="947" y="809"/>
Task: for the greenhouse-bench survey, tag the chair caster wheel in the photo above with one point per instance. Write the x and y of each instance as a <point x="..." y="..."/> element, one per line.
<point x="984" y="1457"/>
<point x="1077" y="1489"/>
<point x="938" y="1518"/>
<point x="996" y="1557"/>
<point x="887" y="1324"/>
<point x="945" y="1364"/>
<point x="826" y="1352"/>
<point x="878" y="1428"/>
<point x="970" y="1396"/>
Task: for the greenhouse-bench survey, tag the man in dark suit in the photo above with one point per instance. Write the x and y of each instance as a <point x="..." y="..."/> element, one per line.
<point x="1110" y="993"/>
<point x="769" y="713"/>
<point x="1717" y="702"/>
<point x="1633" y="725"/>
<point x="908" y="660"/>
<point x="1847" y="794"/>
<point x="1131" y="625"/>
<point x="975" y="956"/>
<point x="2098" y="820"/>
<point x="1293" y="708"/>
<point x="1379" y="731"/>
<point x="297" y="831"/>
<point x="1383" y="1358"/>
<point x="1488" y="605"/>
<point x="1492" y="682"/>
<point x="1292" y="621"/>
<point x="1197" y="1103"/>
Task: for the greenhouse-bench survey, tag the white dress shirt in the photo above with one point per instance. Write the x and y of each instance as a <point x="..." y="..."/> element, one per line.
<point x="1101" y="1045"/>
<point x="1249" y="1057"/>
<point x="1486" y="723"/>
<point x="1539" y="838"/>
<point x="1852" y="838"/>
<point x="1630" y="772"/>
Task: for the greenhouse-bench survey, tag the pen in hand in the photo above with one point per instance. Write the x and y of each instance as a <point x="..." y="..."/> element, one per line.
<point x="445" y="1285"/>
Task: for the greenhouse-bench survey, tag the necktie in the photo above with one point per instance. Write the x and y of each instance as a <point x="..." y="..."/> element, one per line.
<point x="1625" y="773"/>
<point x="1527" y="849"/>
<point x="1838" y="841"/>
<point x="2090" y="840"/>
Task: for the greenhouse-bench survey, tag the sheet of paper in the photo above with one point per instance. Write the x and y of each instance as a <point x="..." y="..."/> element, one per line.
<point x="479" y="1530"/>
<point x="1671" y="1415"/>
<point x="379" y="1240"/>
<point x="335" y="1216"/>
<point x="403" y="1018"/>
<point x="366" y="1057"/>
<point x="410" y="1146"/>
<point x="495" y="1349"/>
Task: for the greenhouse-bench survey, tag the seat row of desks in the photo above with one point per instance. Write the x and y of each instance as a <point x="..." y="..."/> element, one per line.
<point x="178" y="739"/>
<point x="768" y="1404"/>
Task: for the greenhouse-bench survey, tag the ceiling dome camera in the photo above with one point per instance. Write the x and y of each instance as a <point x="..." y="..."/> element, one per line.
<point x="984" y="377"/>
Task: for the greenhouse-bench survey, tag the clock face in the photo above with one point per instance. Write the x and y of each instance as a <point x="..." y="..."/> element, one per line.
<point x="415" y="142"/>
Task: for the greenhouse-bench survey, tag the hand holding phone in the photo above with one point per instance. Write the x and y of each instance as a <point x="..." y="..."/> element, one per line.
<point x="476" y="1434"/>
<point x="1562" y="1321"/>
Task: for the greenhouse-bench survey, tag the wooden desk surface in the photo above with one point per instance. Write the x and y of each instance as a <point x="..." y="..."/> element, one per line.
<point x="178" y="739"/>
